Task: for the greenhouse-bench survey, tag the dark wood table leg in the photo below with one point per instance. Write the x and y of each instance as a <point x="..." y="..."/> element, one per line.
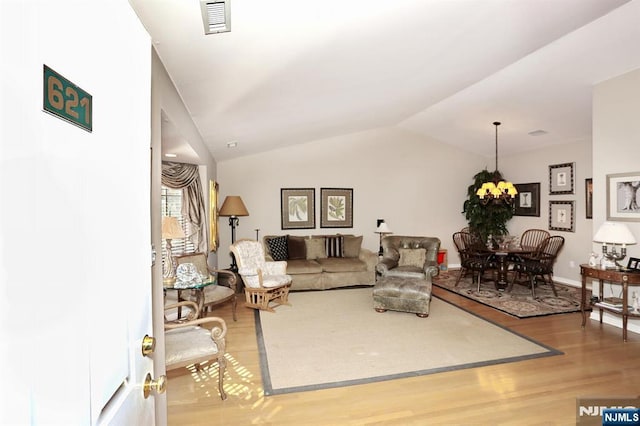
<point x="501" y="281"/>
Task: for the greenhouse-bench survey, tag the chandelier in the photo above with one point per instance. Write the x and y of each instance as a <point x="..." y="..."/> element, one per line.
<point x="497" y="190"/>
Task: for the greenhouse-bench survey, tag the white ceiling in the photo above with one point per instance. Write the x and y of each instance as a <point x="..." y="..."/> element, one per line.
<point x="295" y="71"/>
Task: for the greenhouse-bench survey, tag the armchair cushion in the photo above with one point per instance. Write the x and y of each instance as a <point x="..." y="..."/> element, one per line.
<point x="412" y="257"/>
<point x="278" y="248"/>
<point x="186" y="343"/>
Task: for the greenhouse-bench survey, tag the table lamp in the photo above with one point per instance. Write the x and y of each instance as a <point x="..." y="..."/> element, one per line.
<point x="233" y="207"/>
<point x="613" y="233"/>
<point x="171" y="229"/>
<point x="382" y="229"/>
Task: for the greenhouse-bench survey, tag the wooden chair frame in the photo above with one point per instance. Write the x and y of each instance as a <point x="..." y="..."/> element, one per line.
<point x="262" y="296"/>
<point x="218" y="333"/>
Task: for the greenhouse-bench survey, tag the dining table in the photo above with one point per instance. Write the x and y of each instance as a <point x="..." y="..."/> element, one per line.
<point x="502" y="255"/>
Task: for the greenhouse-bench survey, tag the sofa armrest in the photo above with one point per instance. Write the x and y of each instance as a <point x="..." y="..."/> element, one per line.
<point x="369" y="258"/>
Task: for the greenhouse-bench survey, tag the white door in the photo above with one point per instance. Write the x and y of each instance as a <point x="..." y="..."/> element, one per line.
<point x="75" y="226"/>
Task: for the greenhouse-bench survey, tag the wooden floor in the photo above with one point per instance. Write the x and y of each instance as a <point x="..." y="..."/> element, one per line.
<point x="596" y="363"/>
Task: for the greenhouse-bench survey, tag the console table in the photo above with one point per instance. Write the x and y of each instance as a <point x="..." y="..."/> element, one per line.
<point x="623" y="278"/>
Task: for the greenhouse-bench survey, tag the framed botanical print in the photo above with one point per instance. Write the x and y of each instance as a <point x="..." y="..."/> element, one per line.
<point x="623" y="197"/>
<point x="527" y="201"/>
<point x="336" y="208"/>
<point x="297" y="208"/>
<point x="561" y="178"/>
<point x="562" y="216"/>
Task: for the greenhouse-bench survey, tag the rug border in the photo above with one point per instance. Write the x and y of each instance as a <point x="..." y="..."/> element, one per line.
<point x="507" y="312"/>
<point x="266" y="376"/>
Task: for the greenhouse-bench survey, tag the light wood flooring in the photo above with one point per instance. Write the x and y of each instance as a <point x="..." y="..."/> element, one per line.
<point x="596" y="363"/>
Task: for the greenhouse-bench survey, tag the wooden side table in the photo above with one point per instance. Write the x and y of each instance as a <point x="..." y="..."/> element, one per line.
<point x="624" y="278"/>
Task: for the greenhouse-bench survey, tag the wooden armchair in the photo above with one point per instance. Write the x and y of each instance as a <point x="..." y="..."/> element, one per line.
<point x="214" y="294"/>
<point x="540" y="265"/>
<point x="187" y="343"/>
<point x="473" y="256"/>
<point x="264" y="281"/>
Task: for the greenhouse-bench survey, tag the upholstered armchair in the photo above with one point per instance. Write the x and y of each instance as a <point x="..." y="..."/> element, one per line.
<point x="409" y="257"/>
<point x="194" y="341"/>
<point x="265" y="281"/>
<point x="214" y="294"/>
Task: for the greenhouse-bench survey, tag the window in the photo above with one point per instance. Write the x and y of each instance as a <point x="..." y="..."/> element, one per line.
<point x="172" y="206"/>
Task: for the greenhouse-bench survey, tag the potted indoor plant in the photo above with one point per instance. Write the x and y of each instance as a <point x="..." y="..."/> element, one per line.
<point x="488" y="218"/>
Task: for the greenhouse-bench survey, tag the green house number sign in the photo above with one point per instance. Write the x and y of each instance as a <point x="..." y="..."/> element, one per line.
<point x="65" y="100"/>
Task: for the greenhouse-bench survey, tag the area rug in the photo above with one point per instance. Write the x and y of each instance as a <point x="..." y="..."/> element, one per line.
<point x="334" y="338"/>
<point x="517" y="302"/>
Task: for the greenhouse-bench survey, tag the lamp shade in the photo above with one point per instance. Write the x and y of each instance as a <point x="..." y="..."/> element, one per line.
<point x="614" y="233"/>
<point x="233" y="206"/>
<point x="383" y="228"/>
<point x="171" y="228"/>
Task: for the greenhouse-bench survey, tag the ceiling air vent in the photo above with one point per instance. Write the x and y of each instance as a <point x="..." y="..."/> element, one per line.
<point x="216" y="15"/>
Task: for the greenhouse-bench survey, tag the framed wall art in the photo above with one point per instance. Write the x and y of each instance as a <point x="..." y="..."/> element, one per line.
<point x="527" y="202"/>
<point x="588" y="197"/>
<point x="634" y="264"/>
<point x="561" y="178"/>
<point x="623" y="197"/>
<point x="562" y="216"/>
<point x="298" y="208"/>
<point x="336" y="208"/>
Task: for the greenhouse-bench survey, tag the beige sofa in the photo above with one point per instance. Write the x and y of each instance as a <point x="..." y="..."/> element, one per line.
<point x="321" y="262"/>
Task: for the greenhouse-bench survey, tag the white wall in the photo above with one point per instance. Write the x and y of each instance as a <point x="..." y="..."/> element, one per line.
<point x="616" y="149"/>
<point x="72" y="200"/>
<point x="417" y="185"/>
<point x="533" y="166"/>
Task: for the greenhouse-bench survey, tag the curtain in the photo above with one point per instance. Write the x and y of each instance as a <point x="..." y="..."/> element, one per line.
<point x="187" y="177"/>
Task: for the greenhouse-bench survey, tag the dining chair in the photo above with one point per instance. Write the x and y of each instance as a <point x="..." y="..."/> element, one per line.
<point x="531" y="238"/>
<point x="473" y="257"/>
<point x="541" y="264"/>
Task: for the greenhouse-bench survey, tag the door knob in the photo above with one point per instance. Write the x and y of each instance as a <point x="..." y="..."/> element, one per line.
<point x="148" y="345"/>
<point x="158" y="386"/>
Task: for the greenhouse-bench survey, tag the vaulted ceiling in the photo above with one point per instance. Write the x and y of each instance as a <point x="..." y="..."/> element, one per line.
<point x="295" y="71"/>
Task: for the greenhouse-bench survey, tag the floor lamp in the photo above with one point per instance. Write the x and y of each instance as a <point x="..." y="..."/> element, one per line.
<point x="233" y="207"/>
<point x="171" y="229"/>
<point x="382" y="229"/>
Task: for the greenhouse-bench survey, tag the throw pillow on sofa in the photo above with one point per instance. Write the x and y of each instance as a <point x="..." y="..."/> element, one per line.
<point x="315" y="248"/>
<point x="351" y="246"/>
<point x="296" y="247"/>
<point x="333" y="246"/>
<point x="278" y="248"/>
<point x="412" y="257"/>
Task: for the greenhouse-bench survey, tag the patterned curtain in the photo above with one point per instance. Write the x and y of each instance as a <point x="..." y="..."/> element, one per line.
<point x="187" y="177"/>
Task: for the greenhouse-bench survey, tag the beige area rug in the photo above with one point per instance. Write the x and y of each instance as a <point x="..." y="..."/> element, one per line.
<point x="517" y="302"/>
<point x="334" y="338"/>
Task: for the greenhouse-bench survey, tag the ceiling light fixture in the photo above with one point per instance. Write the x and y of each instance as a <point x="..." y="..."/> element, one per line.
<point x="497" y="190"/>
<point x="171" y="155"/>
